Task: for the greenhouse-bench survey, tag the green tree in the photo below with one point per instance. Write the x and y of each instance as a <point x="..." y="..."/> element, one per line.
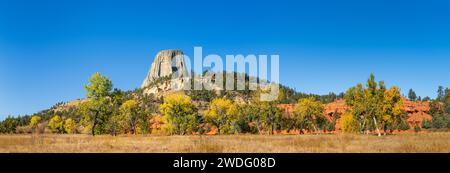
<point x="118" y="97"/>
<point x="446" y="101"/>
<point x="147" y="108"/>
<point x="440" y="94"/>
<point x="247" y="115"/>
<point x="412" y="95"/>
<point x="309" y="114"/>
<point x="129" y="113"/>
<point x="268" y="116"/>
<point x="98" y="91"/>
<point x="9" y="125"/>
<point x="179" y="114"/>
<point x="115" y="124"/>
<point x="202" y="95"/>
<point x="222" y="113"/>
<point x="426" y="98"/>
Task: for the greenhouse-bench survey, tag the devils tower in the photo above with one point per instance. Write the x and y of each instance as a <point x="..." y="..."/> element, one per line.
<point x="166" y="63"/>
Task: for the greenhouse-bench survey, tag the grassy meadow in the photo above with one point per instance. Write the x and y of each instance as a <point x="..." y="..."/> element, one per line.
<point x="436" y="142"/>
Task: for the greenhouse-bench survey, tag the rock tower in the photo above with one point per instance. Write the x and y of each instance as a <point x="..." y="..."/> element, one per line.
<point x="166" y="63"/>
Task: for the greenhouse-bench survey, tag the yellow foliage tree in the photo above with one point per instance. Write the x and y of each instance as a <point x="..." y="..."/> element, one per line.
<point x="56" y="124"/>
<point x="70" y="126"/>
<point x="179" y="114"/>
<point x="375" y="107"/>
<point x="348" y="123"/>
<point x="392" y="109"/>
<point x="35" y="120"/>
<point x="309" y="114"/>
<point x="223" y="114"/>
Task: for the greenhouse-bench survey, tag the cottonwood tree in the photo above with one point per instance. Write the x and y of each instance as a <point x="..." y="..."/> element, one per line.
<point x="268" y="116"/>
<point x="56" y="124"/>
<point x="308" y="114"/>
<point x="34" y="122"/>
<point x="70" y="126"/>
<point x="222" y="113"/>
<point x="129" y="116"/>
<point x="374" y="107"/>
<point x="97" y="91"/>
<point x="147" y="107"/>
<point x="392" y="114"/>
<point x="179" y="114"/>
<point x="347" y="123"/>
<point x="248" y="116"/>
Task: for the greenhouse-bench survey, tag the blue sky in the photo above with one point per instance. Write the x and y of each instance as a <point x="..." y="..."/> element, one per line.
<point x="48" y="49"/>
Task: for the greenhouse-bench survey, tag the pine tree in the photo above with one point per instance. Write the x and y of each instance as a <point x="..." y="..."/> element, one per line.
<point x="412" y="95"/>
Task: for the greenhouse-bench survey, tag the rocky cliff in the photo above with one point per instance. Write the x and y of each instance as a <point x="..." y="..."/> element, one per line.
<point x="166" y="63"/>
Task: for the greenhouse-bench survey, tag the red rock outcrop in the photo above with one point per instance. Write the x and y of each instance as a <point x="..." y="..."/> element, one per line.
<point x="412" y="106"/>
<point x="288" y="109"/>
<point x="338" y="106"/>
<point x="416" y="119"/>
<point x="417" y="111"/>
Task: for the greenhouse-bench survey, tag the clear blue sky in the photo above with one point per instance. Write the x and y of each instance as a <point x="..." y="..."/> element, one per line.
<point x="48" y="49"/>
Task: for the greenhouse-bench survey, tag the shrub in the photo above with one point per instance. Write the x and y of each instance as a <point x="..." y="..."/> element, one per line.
<point x="403" y="125"/>
<point x="330" y="126"/>
<point x="440" y="121"/>
<point x="417" y="129"/>
<point x="427" y="125"/>
<point x="24" y="129"/>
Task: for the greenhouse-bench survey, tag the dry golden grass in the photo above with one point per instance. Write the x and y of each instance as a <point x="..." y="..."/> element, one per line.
<point x="401" y="143"/>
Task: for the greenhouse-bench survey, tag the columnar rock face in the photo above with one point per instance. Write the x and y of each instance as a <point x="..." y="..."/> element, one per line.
<point x="166" y="63"/>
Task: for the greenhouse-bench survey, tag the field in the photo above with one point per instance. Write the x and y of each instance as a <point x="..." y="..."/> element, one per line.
<point x="400" y="143"/>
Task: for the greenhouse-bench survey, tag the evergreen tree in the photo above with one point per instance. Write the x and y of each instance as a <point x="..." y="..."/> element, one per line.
<point x="412" y="95"/>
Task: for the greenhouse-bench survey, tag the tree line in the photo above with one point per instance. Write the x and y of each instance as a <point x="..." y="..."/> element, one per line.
<point x="375" y="108"/>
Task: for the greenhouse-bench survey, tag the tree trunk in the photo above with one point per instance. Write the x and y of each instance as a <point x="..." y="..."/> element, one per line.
<point x="315" y="129"/>
<point x="95" y="123"/>
<point x="273" y="127"/>
<point x="376" y="126"/>
<point x="218" y="129"/>
<point x="257" y="127"/>
<point x="363" y="127"/>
